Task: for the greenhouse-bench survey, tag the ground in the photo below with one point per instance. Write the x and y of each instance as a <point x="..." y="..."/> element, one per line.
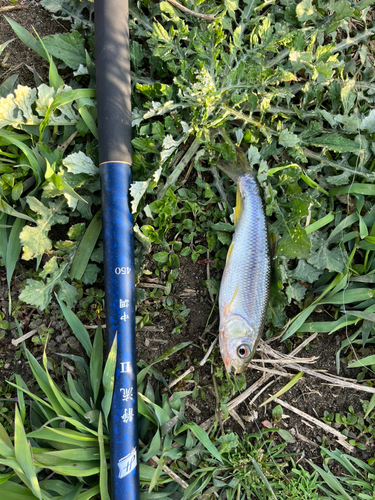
<point x="311" y="395"/>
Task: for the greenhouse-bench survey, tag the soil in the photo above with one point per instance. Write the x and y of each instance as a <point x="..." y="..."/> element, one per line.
<point x="310" y="395"/>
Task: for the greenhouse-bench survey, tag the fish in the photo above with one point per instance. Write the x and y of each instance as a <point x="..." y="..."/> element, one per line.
<point x="245" y="284"/>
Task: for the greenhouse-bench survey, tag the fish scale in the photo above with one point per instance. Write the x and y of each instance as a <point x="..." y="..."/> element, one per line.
<point x="244" y="289"/>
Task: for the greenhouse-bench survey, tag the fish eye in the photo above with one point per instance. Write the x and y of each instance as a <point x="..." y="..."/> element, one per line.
<point x="243" y="351"/>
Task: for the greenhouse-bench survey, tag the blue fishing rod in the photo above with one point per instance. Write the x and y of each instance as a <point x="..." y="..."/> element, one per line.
<point x="115" y="159"/>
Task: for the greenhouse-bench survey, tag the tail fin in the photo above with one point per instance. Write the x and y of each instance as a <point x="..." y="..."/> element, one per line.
<point x="236" y="169"/>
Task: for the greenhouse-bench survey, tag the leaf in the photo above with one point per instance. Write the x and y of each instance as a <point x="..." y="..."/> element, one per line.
<point x="285" y="389"/>
<point x="323" y="258"/>
<point x="69" y="47"/>
<point x="294" y="243"/>
<point x="367" y="361"/>
<point x="103" y="475"/>
<point x="141" y="375"/>
<point x="334" y="142"/>
<point x="96" y="363"/>
<point x="68" y="293"/>
<point x="137" y="190"/>
<point x="320" y="223"/>
<point x="27" y="38"/>
<point x="203" y="437"/>
<point x="34" y="239"/>
<point x="77" y="327"/>
<point x="305" y="11"/>
<point x="23" y="454"/>
<point x="86" y="248"/>
<point x="109" y="379"/>
<point x="354" y="188"/>
<point x="79" y="163"/>
<point x="368" y="123"/>
<point x="38" y="293"/>
<point x="305" y="272"/>
<point x="14" y="491"/>
<point x="286" y="435"/>
<point x="288" y="139"/>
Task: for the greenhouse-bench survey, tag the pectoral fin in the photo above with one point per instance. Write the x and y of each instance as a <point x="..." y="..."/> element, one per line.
<point x="228" y="307"/>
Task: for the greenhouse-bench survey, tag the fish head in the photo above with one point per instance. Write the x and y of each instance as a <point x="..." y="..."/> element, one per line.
<point x="238" y="342"/>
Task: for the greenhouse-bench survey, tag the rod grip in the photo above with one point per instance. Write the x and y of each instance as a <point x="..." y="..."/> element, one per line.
<point x="113" y="81"/>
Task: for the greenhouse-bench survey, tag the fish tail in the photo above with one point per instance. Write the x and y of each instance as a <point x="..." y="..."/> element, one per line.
<point x="236" y="169"/>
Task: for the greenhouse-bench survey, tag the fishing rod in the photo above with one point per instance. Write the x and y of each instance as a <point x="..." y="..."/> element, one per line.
<point x="115" y="159"/>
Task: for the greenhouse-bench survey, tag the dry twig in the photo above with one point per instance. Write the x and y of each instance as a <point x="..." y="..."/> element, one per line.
<point x="206" y="17"/>
<point x="340" y="437"/>
<point x="206" y="356"/>
<point x="185" y="374"/>
<point x="27" y="335"/>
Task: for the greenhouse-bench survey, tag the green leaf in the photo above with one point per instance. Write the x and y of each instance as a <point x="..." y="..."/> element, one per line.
<point x="86" y="248"/>
<point x="367" y="361"/>
<point x="64" y="436"/>
<point x="38" y="293"/>
<point x="103" y="476"/>
<point x="368" y="123"/>
<point x="323" y="258"/>
<point x="27" y="38"/>
<point x="96" y="363"/>
<point x="141" y="375"/>
<point x="306" y="11"/>
<point x="77" y="328"/>
<point x="334" y="142"/>
<point x="154" y="447"/>
<point x="23" y="455"/>
<point x="305" y="272"/>
<point x="68" y="47"/>
<point x="13" y="491"/>
<point x="203" y="437"/>
<point x="320" y="223"/>
<point x="109" y="379"/>
<point x="35" y="240"/>
<point x="294" y="243"/>
<point x="354" y="188"/>
<point x="285" y="389"/>
<point x="161" y="257"/>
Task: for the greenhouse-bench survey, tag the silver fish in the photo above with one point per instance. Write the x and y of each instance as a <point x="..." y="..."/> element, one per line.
<point x="244" y="289"/>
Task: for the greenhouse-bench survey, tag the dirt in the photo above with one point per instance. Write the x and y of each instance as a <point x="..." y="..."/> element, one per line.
<point x="310" y="395"/>
<point x="17" y="58"/>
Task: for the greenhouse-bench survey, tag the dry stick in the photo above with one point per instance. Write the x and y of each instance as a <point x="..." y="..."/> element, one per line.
<point x="27" y="335"/>
<point x="263" y="389"/>
<point x="185" y="374"/>
<point x="206" y="356"/>
<point x="323" y="376"/>
<point x="305" y="439"/>
<point x="167" y="470"/>
<point x="313" y="359"/>
<point x="172" y="179"/>
<point x="151" y="285"/>
<point x="340" y="437"/>
<point x="235" y="402"/>
<point x="270" y="370"/>
<point x="207" y="17"/>
<point x="13" y="7"/>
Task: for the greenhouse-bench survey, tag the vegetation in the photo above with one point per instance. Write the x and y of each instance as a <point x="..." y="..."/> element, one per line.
<point x="290" y="83"/>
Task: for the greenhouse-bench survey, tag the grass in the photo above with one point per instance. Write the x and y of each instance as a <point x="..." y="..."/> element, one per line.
<point x="291" y="85"/>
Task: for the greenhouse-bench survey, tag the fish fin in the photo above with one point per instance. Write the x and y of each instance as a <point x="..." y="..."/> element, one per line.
<point x="236" y="169"/>
<point x="230" y="251"/>
<point x="228" y="307"/>
<point x="239" y="206"/>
